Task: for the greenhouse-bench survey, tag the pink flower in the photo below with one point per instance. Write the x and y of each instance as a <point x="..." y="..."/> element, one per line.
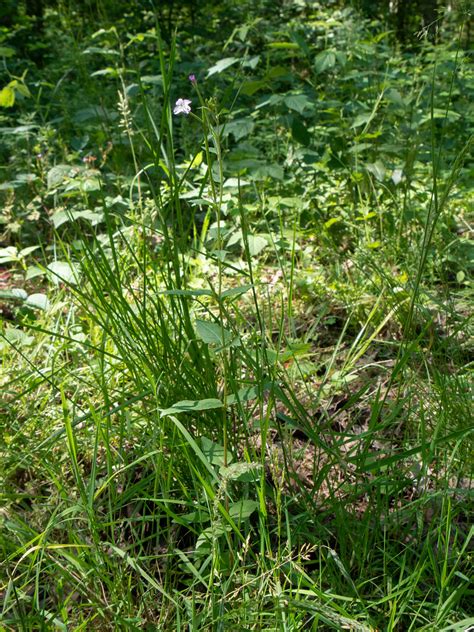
<point x="192" y="78"/>
<point x="182" y="106"/>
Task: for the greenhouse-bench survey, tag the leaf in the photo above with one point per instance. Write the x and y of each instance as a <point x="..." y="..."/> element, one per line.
<point x="221" y="65"/>
<point x="214" y="452"/>
<point x="243" y="509"/>
<point x="324" y="61"/>
<point x="7" y="97"/>
<point x="361" y="119"/>
<point x="213" y="333"/>
<point x="6" y="51"/>
<point x="240" y="128"/>
<point x="62" y="272"/>
<point x="298" y="102"/>
<point x="14" y="294"/>
<point x="283" y="45"/>
<point x="33" y="272"/>
<point x="242" y="472"/>
<point x="190" y="406"/>
<point x="333" y="220"/>
<point x="236" y="291"/>
<point x="38" y="301"/>
<point x="299" y="132"/>
<point x="377" y="169"/>
<point x="62" y="217"/>
<point x="256" y="244"/>
<point x="8" y="254"/>
<point x="16" y="337"/>
<point x="58" y="174"/>
<point x="246" y="394"/>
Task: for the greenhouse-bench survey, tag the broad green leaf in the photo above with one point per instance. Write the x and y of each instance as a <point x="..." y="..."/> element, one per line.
<point x="7" y="51"/>
<point x="33" y="272"/>
<point x="62" y="217"/>
<point x="213" y="333"/>
<point x="243" y="509"/>
<point x="190" y="406"/>
<point x="16" y="337"/>
<point x="256" y="244"/>
<point x="236" y="291"/>
<point x="221" y="65"/>
<point x="214" y="452"/>
<point x="243" y="472"/>
<point x="57" y="175"/>
<point x="333" y="220"/>
<point x="7" y="97"/>
<point x="325" y="61"/>
<point x="8" y="254"/>
<point x="377" y="169"/>
<point x="240" y="128"/>
<point x="62" y="272"/>
<point x="14" y="294"/>
<point x="38" y="301"/>
<point x="298" y="102"/>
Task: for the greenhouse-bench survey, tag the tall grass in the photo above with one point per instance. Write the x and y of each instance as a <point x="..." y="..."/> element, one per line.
<point x="189" y="476"/>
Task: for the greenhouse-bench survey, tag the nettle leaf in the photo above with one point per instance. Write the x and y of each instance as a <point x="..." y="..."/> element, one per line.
<point x="299" y="132"/>
<point x="221" y="65"/>
<point x="62" y="217"/>
<point x="298" y="102"/>
<point x="242" y="472"/>
<point x="377" y="169"/>
<point x="58" y="174"/>
<point x="256" y="244"/>
<point x="243" y="509"/>
<point x="8" y="254"/>
<point x="240" y="128"/>
<point x="325" y="61"/>
<point x="62" y="272"/>
<point x="15" y="337"/>
<point x="38" y="301"/>
<point x="191" y="406"/>
<point x="213" y="334"/>
<point x="214" y="452"/>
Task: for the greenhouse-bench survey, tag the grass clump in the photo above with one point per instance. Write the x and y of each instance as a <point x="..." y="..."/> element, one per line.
<point x="236" y="348"/>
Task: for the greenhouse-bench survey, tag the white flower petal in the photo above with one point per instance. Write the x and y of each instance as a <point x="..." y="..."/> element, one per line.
<point x="182" y="106"/>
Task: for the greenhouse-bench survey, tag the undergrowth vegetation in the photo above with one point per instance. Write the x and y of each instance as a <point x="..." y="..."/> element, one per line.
<point x="236" y="349"/>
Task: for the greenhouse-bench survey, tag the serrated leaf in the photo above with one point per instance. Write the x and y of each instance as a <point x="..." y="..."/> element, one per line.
<point x="256" y="244"/>
<point x="298" y="102"/>
<point x="221" y="65"/>
<point x="240" y="128"/>
<point x="214" y="452"/>
<point x="243" y="509"/>
<point x="16" y="337"/>
<point x="62" y="217"/>
<point x="242" y="472"/>
<point x="57" y="175"/>
<point x="325" y="61"/>
<point x="213" y="333"/>
<point x="190" y="406"/>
